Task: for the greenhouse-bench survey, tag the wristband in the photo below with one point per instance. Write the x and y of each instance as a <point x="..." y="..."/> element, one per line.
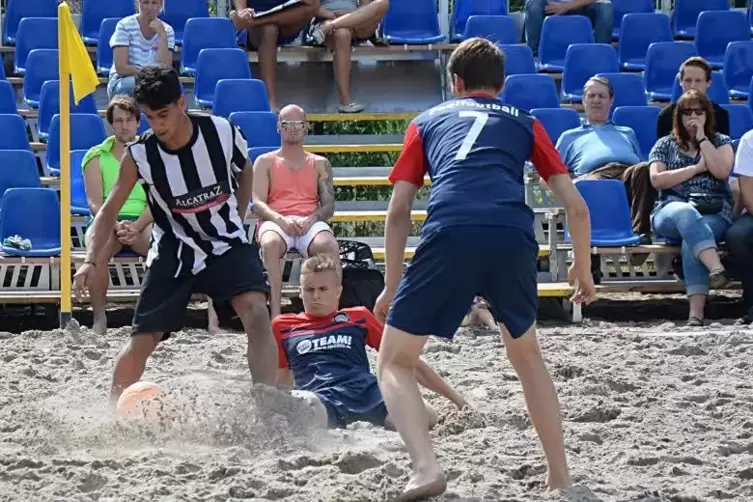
<point x="89" y="262"/>
<point x="703" y="139"/>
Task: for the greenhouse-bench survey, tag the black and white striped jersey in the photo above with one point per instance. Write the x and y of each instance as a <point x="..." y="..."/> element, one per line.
<point x="191" y="194"/>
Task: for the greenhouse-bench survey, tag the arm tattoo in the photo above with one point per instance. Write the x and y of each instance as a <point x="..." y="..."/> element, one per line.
<point x="326" y="194"/>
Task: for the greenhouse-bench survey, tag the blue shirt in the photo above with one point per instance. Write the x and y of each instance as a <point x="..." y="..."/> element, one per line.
<point x="474" y="150"/>
<point x="589" y="147"/>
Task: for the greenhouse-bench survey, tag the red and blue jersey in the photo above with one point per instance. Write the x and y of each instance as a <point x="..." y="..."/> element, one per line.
<point x="474" y="150"/>
<point x="329" y="351"/>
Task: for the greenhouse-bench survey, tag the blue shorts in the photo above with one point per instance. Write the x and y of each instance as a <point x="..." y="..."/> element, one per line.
<point x="358" y="400"/>
<point x="452" y="265"/>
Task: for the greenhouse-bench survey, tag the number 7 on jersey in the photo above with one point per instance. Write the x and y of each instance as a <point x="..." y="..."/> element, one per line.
<point x="479" y="121"/>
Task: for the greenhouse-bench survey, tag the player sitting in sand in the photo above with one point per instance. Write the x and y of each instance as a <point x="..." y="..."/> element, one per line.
<point x="322" y="353"/>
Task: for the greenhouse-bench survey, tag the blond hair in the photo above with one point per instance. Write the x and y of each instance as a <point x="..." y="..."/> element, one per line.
<point x="322" y="263"/>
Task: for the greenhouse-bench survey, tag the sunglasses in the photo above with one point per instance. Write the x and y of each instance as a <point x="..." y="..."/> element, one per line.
<point x="687" y="112"/>
<point x="293" y="124"/>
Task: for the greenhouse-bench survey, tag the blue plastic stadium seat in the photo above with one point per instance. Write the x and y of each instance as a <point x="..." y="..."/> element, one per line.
<point x="143" y="124"/>
<point x="622" y="7"/>
<point x="463" y="9"/>
<point x="215" y="65"/>
<point x="89" y="132"/>
<point x="7" y="98"/>
<point x="49" y="106"/>
<point x="94" y="11"/>
<point x="518" y="59"/>
<point x="557" y="33"/>
<point x="639" y="31"/>
<point x="34" y="33"/>
<point x="19" y="170"/>
<point x="557" y="120"/>
<point x="34" y="214"/>
<point x="642" y="120"/>
<point x="259" y="128"/>
<point x="629" y="89"/>
<point x="610" y="213"/>
<point x="716" y="29"/>
<point x="738" y="68"/>
<point x="740" y="120"/>
<point x="42" y="65"/>
<point x="686" y="12"/>
<point x="19" y="9"/>
<point x="13" y="135"/>
<point x="717" y="91"/>
<point x="176" y="13"/>
<point x="530" y="91"/>
<point x="205" y="33"/>
<point x="498" y="29"/>
<point x="663" y="61"/>
<point x="583" y="61"/>
<point x="79" y="202"/>
<point x="256" y="151"/>
<point x="414" y="22"/>
<point x="240" y="95"/>
<point x="104" y="51"/>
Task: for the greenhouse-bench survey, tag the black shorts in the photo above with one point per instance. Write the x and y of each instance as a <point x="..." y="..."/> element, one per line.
<point x="164" y="299"/>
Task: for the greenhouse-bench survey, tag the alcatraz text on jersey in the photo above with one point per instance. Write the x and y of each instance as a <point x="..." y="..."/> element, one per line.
<point x="475" y="104"/>
<point x="200" y="200"/>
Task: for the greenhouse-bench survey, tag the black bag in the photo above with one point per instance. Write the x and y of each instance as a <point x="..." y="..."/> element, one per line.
<point x="707" y="203"/>
<point x="363" y="282"/>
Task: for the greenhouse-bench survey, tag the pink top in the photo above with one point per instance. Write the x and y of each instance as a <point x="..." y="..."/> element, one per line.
<point x="293" y="193"/>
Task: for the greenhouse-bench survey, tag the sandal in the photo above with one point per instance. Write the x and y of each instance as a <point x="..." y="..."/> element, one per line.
<point x="694" y="322"/>
<point x="718" y="279"/>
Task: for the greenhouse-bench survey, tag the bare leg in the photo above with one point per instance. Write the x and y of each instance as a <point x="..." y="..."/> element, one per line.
<point x="361" y="19"/>
<point x="251" y="307"/>
<point x="485" y="317"/>
<point x="541" y="401"/>
<point x="213" y="323"/>
<point x="339" y="41"/>
<point x="298" y="16"/>
<point x="324" y="243"/>
<point x="396" y="363"/>
<point x="98" y="287"/>
<point x="697" y="306"/>
<point x="710" y="258"/>
<point x="273" y="248"/>
<point x="431" y="414"/>
<point x="130" y="363"/>
<point x="264" y="38"/>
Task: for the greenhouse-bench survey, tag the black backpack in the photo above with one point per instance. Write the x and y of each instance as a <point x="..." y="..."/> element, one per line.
<point x="363" y="282"/>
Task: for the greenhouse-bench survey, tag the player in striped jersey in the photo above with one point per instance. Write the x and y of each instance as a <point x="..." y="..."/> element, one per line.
<point x="198" y="180"/>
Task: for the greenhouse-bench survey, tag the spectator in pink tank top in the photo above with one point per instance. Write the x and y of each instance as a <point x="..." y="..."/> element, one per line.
<point x="293" y="197"/>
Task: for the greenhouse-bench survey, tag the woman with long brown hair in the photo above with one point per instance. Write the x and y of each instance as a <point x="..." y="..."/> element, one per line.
<point x="689" y="169"/>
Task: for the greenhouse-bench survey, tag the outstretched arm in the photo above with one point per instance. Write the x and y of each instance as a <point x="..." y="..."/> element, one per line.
<point x="429" y="378"/>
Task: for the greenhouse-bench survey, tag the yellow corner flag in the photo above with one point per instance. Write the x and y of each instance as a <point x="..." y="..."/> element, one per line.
<point x="75" y="64"/>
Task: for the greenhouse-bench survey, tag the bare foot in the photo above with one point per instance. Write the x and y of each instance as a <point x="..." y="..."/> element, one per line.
<point x="421" y="487"/>
<point x="562" y="482"/>
<point x="99" y="326"/>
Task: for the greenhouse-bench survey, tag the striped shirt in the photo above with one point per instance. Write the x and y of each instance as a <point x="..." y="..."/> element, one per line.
<point x="141" y="52"/>
<point x="191" y="194"/>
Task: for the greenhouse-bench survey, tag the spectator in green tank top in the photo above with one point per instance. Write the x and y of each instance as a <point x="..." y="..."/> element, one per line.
<point x="101" y="166"/>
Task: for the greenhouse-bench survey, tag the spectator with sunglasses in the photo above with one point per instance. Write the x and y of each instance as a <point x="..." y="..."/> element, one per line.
<point x="293" y="196"/>
<point x="690" y="168"/>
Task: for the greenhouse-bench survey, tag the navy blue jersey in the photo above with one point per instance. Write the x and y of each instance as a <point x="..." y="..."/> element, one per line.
<point x="474" y="150"/>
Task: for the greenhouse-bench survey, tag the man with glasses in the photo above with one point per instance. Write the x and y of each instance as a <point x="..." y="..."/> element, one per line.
<point x="293" y="196"/>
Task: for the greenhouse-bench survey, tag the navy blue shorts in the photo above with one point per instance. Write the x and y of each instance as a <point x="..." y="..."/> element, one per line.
<point x="355" y="401"/>
<point x="452" y="265"/>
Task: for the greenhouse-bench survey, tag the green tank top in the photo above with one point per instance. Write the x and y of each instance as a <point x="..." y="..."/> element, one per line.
<point x="109" y="166"/>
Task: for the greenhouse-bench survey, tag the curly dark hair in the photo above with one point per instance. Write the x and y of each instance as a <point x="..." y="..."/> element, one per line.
<point x="157" y="87"/>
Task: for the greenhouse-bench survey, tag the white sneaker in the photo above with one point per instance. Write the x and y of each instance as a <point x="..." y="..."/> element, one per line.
<point x="351" y="108"/>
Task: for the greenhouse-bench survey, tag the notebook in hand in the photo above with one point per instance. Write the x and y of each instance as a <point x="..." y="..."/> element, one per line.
<point x="278" y="8"/>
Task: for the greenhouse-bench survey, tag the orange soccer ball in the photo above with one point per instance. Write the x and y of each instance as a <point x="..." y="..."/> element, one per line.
<point x="143" y="400"/>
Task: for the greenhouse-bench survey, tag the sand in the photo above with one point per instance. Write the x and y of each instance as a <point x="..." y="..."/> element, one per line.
<point x="652" y="413"/>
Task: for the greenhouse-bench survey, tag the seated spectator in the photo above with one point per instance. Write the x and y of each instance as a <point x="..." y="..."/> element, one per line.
<point x="740" y="235"/>
<point x="101" y="166"/>
<point x="599" y="11"/>
<point x="690" y="170"/>
<point x="322" y="352"/>
<point x="339" y="24"/>
<point x="695" y="74"/>
<point x="139" y="40"/>
<point x="600" y="149"/>
<point x="265" y="33"/>
<point x="293" y="197"/>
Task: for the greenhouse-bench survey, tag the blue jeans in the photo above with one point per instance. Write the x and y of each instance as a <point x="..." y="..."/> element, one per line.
<point x="121" y="85"/>
<point x="740" y="248"/>
<point x="599" y="13"/>
<point x="680" y="220"/>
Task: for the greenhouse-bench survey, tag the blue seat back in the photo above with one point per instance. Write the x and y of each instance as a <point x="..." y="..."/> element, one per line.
<point x="530" y="91"/>
<point x="642" y="120"/>
<point x="557" y="120"/>
<point x="104" y="51"/>
<point x="558" y="32"/>
<point x="740" y="119"/>
<point x="14" y="135"/>
<point x="32" y="213"/>
<point x="663" y="61"/>
<point x="49" y="105"/>
<point x="205" y="33"/>
<point x="257" y="151"/>
<point x="738" y="66"/>
<point x="177" y="12"/>
<point x="609" y="208"/>
<point x="7" y="98"/>
<point x="629" y="89"/>
<point x="94" y="11"/>
<point x="638" y="31"/>
<point x="18" y="169"/>
<point x="240" y="95"/>
<point x="143" y="124"/>
<point x="79" y="202"/>
<point x="717" y="92"/>
<point x="42" y="65"/>
<point x="19" y="9"/>
<point x="518" y="59"/>
<point x="34" y="33"/>
<point x="89" y="131"/>
<point x="498" y="29"/>
<point x="622" y="7"/>
<point x="716" y="29"/>
<point x="583" y="61"/>
<point x="215" y="65"/>
<point x="259" y="128"/>
<point x="411" y="21"/>
<point x="463" y="9"/>
<point x="686" y="12"/>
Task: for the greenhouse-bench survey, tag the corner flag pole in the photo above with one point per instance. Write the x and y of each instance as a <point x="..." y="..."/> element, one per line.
<point x="75" y="65"/>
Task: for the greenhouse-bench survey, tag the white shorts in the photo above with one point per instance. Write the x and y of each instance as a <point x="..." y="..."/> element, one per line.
<point x="297" y="243"/>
